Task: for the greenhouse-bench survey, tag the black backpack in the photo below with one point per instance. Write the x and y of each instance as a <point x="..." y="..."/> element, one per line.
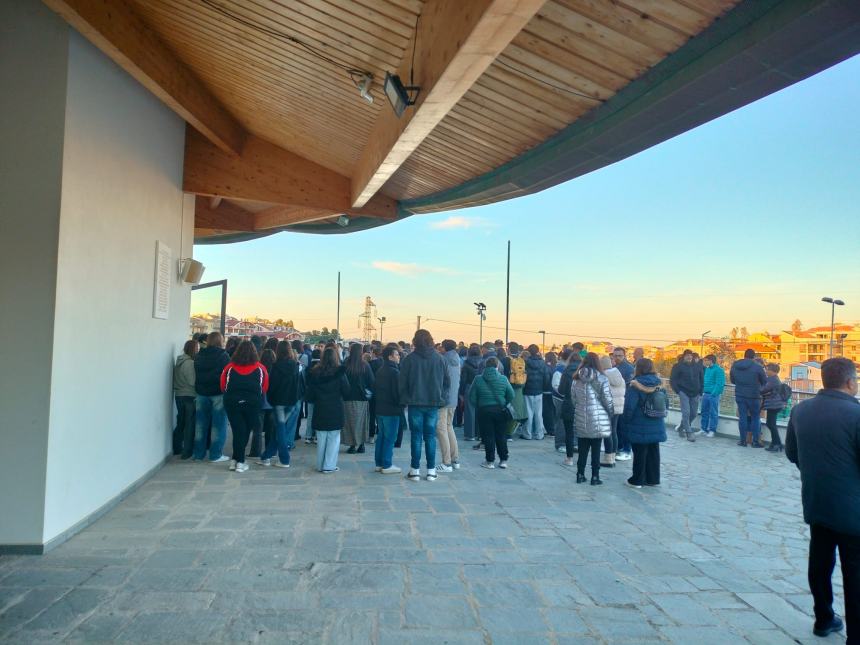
<point x="785" y="392"/>
<point x="655" y="405"/>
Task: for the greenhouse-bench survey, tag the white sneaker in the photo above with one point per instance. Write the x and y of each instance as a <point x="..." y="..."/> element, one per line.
<point x="561" y="449"/>
<point x="414" y="475"/>
<point x="264" y="462"/>
<point x="391" y="470"/>
<point x="623" y="456"/>
<point x="488" y="464"/>
<point x="709" y="435"/>
<point x="232" y="465"/>
<point x="455" y="465"/>
<point x="503" y="464"/>
<point x="220" y="459"/>
<point x="241" y="467"/>
<point x="280" y="465"/>
<point x="377" y="469"/>
<point x="442" y="468"/>
<point x="431" y="474"/>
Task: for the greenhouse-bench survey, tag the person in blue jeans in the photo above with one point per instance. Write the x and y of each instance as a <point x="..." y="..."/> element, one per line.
<point x="209" y="402"/>
<point x="286" y="384"/>
<point x="422" y="386"/>
<point x="388" y="409"/>
<point x="749" y="377"/>
<point x="715" y="383"/>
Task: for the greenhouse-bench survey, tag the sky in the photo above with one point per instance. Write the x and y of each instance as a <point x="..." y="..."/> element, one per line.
<point x="748" y="220"/>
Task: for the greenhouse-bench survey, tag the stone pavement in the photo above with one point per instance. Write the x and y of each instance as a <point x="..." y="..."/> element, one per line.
<point x="717" y="554"/>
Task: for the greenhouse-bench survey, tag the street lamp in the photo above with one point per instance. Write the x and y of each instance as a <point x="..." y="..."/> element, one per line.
<point x="481" y="307"/>
<point x="833" y="302"/>
<point x="543" y="342"/>
<point x="702" y="346"/>
<point x="381" y="323"/>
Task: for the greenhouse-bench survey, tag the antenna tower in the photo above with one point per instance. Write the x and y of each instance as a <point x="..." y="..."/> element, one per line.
<point x="369" y="316"/>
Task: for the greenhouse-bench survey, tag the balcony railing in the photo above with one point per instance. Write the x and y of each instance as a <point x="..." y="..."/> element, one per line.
<point x="728" y="407"/>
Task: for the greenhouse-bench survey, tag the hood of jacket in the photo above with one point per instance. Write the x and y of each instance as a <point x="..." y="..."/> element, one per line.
<point x="587" y="374"/>
<point x="535" y="362"/>
<point x="182" y="359"/>
<point x="647" y="382"/>
<point x="491" y="374"/>
<point x="474" y="361"/>
<point x="744" y="364"/>
<point x="424" y="352"/>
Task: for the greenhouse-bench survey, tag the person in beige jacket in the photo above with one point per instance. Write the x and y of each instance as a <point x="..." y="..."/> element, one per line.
<point x="617" y="387"/>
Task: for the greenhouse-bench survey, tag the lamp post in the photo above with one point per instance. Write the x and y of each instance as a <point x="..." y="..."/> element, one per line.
<point x="543" y="341"/>
<point x="833" y="302"/>
<point x="381" y="323"/>
<point x="481" y="307"/>
<point x="702" y="345"/>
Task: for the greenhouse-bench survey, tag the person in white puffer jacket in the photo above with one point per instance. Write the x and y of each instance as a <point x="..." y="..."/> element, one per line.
<point x="592" y="415"/>
<point x="617" y="386"/>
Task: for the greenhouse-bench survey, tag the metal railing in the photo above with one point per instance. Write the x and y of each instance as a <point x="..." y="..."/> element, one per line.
<point x="728" y="407"/>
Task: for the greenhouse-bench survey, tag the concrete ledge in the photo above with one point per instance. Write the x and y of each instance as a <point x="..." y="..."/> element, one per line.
<point x="728" y="426"/>
<point x="40" y="549"/>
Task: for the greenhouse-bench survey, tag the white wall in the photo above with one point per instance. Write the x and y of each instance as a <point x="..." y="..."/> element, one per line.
<point x="33" y="53"/>
<point x="111" y="401"/>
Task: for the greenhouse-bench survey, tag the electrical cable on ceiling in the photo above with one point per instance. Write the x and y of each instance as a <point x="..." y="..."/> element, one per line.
<point x="545" y="82"/>
<point x="356" y="74"/>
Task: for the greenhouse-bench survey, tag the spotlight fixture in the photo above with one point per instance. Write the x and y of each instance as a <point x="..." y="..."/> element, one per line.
<point x="364" y="86"/>
<point x="399" y="96"/>
<point x="342" y="220"/>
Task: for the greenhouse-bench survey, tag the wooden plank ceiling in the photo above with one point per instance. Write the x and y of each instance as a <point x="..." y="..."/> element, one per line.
<point x="573" y="55"/>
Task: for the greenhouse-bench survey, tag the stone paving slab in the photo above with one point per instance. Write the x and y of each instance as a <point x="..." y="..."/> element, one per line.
<point x="716" y="554"/>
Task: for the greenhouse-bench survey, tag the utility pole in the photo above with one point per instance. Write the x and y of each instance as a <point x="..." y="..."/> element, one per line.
<point x="368" y="315"/>
<point x="481" y="307"/>
<point x="702" y="344"/>
<point x="833" y="302"/>
<point x="381" y="323"/>
<point x="508" y="295"/>
<point x="543" y="342"/>
<point x="337" y="322"/>
<point x="419" y="324"/>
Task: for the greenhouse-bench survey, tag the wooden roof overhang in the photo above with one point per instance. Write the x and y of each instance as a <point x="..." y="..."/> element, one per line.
<point x="517" y="95"/>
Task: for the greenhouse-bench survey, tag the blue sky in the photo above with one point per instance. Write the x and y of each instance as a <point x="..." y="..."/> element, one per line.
<point x="745" y="221"/>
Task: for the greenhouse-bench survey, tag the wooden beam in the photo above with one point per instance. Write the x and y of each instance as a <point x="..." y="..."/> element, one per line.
<point x="456" y="42"/>
<point x="266" y="173"/>
<point x="227" y="217"/>
<point x="278" y="216"/>
<point x="114" y="27"/>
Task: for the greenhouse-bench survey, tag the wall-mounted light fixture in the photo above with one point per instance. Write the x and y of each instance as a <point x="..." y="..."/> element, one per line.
<point x="400" y="96"/>
<point x="342" y="220"/>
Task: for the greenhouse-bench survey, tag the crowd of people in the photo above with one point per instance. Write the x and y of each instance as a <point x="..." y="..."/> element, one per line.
<point x="599" y="406"/>
<point x="605" y="407"/>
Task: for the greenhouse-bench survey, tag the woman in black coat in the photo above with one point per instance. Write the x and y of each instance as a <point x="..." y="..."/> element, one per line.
<point x="327" y="389"/>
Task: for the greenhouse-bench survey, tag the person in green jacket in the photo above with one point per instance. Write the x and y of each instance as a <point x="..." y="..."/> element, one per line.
<point x="715" y="383"/>
<point x="490" y="394"/>
<point x="184" y="394"/>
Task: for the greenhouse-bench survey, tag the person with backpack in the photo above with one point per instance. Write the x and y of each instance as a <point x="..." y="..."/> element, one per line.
<point x="645" y="409"/>
<point x="490" y="395"/>
<point x="565" y="389"/>
<point x="713" y="384"/>
<point x="592" y="415"/>
<point x="471" y="368"/>
<point x="558" y="397"/>
<point x="517" y="378"/>
<point x="244" y="382"/>
<point x="284" y="395"/>
<point x="775" y="395"/>
<point x="537" y="376"/>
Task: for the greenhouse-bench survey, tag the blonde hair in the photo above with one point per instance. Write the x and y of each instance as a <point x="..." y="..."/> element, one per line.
<point x="605" y="363"/>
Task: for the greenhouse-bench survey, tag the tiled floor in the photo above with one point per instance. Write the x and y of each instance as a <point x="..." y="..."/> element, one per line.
<point x="717" y="554"/>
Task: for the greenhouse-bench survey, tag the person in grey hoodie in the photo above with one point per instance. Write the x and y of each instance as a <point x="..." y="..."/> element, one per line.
<point x="185" y="395"/>
<point x="749" y="378"/>
<point x="423" y="387"/>
<point x="445" y="423"/>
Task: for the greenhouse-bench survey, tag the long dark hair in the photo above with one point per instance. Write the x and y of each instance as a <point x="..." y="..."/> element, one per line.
<point x="591" y="360"/>
<point x="245" y="354"/>
<point x="267" y="358"/>
<point x="422" y="340"/>
<point x="285" y="350"/>
<point x="272" y="344"/>
<point x="355" y="362"/>
<point x="329" y="363"/>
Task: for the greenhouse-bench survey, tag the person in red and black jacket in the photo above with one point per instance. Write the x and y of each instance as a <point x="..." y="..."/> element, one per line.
<point x="243" y="381"/>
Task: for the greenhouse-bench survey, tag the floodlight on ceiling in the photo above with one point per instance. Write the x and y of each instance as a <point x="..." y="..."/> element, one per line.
<point x="364" y="86"/>
<point x="400" y="96"/>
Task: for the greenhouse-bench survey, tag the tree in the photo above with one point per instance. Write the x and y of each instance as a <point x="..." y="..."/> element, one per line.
<point x="744" y="333"/>
<point x="335" y="334"/>
<point x="734" y="333"/>
<point x="796" y="326"/>
<point x="280" y="322"/>
<point x="325" y="331"/>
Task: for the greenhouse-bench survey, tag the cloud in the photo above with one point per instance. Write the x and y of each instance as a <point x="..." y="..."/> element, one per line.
<point x="458" y="221"/>
<point x="409" y="268"/>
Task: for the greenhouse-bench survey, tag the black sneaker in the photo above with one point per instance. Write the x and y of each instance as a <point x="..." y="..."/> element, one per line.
<point x="360" y="449"/>
<point x="742" y="443"/>
<point x="834" y="625"/>
<point x="350" y="450"/>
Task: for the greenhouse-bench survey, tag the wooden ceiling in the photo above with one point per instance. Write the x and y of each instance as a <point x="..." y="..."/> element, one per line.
<point x="280" y="137"/>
